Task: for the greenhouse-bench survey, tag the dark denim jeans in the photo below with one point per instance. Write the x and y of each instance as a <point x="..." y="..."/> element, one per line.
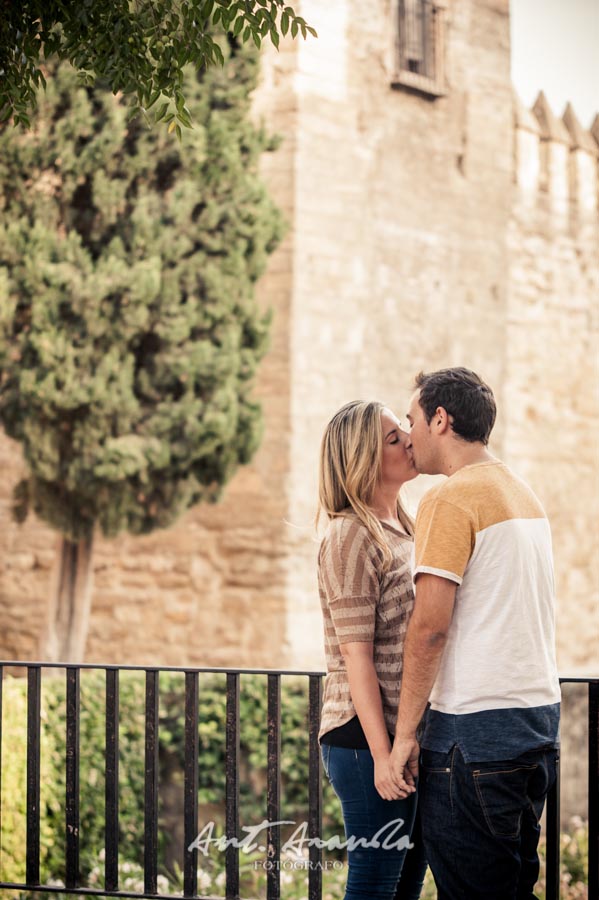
<point x="374" y="872"/>
<point x="480" y="823"/>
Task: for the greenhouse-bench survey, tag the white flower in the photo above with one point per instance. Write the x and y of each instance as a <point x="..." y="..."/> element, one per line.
<point x="163" y="884"/>
<point x="204" y="880"/>
<point x="134" y="885"/>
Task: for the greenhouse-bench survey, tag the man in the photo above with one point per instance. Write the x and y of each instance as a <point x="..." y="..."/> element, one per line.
<point x="481" y="644"/>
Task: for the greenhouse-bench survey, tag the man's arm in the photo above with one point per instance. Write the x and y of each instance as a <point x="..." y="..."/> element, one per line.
<point x="425" y="642"/>
<point x="366" y="697"/>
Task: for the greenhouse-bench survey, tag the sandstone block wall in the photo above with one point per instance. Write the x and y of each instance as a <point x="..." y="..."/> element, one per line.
<point x="552" y="433"/>
<point x="422" y="233"/>
<point x="404" y="266"/>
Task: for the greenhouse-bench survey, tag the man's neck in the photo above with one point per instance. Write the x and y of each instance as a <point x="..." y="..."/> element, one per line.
<point x="463" y="454"/>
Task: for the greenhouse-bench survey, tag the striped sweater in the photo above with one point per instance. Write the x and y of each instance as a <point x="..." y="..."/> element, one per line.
<point x="360" y="602"/>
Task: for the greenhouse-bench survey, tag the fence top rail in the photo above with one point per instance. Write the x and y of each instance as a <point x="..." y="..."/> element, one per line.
<point x="17" y="664"/>
<point x="20" y="664"/>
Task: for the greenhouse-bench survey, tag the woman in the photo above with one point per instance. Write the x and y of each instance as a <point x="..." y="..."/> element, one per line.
<point x="366" y="594"/>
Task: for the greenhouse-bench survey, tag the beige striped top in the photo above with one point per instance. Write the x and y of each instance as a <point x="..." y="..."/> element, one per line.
<point x="362" y="603"/>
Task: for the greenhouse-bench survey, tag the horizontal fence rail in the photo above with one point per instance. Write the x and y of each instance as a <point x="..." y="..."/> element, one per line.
<point x="191" y="763"/>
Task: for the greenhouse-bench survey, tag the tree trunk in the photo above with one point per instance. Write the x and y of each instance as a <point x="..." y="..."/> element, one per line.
<point x="68" y="616"/>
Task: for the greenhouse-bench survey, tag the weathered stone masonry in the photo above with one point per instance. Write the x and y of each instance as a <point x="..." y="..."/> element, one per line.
<point x="423" y="232"/>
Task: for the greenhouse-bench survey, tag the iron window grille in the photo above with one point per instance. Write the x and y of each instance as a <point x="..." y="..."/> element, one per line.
<point x="420" y="50"/>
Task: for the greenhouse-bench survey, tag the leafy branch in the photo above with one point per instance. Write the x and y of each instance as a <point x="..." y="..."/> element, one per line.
<point x="138" y="48"/>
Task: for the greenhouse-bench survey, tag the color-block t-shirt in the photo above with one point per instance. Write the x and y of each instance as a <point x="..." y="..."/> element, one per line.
<point x="497" y="691"/>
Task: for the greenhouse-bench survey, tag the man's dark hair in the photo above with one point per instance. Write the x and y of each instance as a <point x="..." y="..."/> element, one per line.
<point x="464" y="396"/>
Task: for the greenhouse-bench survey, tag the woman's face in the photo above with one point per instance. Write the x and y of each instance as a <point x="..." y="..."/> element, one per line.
<point x="397" y="463"/>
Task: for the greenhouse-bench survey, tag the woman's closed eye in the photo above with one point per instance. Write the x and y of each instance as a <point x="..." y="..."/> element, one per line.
<point x="395" y="435"/>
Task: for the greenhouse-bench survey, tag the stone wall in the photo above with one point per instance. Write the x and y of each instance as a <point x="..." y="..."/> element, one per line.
<point x="553" y="356"/>
<point x="404" y="266"/>
<point x="447" y="239"/>
<point x="423" y="233"/>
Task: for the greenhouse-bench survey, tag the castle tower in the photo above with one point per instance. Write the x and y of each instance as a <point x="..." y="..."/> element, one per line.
<point x="433" y="221"/>
<point x="552" y="434"/>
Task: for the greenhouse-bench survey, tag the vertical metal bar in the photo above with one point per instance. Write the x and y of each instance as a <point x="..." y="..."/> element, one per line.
<point x="190" y="810"/>
<point x="401" y="34"/>
<point x="315" y="789"/>
<point x="72" y="777"/>
<point x="552" y="875"/>
<point x="232" y="788"/>
<point x="273" y="789"/>
<point x="111" y="834"/>
<point x="33" y="775"/>
<point x="593" y="790"/>
<point x="1" y="685"/>
<point x="425" y="15"/>
<point x="151" y="785"/>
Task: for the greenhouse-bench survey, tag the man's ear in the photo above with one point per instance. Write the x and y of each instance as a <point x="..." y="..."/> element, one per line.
<point x="441" y="420"/>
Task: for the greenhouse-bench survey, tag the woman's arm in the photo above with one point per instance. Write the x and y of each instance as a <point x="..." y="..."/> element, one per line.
<point x="366" y="697"/>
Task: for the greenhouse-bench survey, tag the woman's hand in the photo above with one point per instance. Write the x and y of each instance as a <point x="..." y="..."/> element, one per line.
<point x="384" y="781"/>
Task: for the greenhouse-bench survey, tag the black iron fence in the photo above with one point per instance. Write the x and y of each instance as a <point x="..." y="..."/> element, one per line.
<point x="553" y="803"/>
<point x="189" y="862"/>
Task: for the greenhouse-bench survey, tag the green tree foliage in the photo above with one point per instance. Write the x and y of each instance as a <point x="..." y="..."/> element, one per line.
<point x="138" y="47"/>
<point x="129" y="332"/>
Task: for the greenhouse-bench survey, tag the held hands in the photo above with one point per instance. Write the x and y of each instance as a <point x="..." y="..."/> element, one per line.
<point x="385" y="781"/>
<point x="403" y="764"/>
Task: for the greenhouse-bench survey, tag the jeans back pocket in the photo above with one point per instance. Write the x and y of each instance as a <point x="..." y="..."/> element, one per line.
<point x="503" y="797"/>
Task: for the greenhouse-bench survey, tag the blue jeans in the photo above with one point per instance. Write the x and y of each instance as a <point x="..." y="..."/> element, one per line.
<point x="480" y="822"/>
<point x="374" y="872"/>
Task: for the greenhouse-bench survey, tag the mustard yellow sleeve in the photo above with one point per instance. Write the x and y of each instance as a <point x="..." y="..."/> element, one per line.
<point x="444" y="540"/>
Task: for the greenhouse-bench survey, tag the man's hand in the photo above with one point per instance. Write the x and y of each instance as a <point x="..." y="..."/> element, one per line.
<point x="404" y="763"/>
<point x="384" y="781"/>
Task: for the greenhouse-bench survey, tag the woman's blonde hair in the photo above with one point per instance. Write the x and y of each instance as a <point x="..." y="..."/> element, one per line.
<point x="351" y="455"/>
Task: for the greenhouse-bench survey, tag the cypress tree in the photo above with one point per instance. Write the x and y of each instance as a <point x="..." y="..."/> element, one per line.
<point x="129" y="331"/>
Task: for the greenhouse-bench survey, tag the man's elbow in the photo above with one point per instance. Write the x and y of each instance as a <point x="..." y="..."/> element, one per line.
<point x="431" y="636"/>
<point x="436" y="639"/>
